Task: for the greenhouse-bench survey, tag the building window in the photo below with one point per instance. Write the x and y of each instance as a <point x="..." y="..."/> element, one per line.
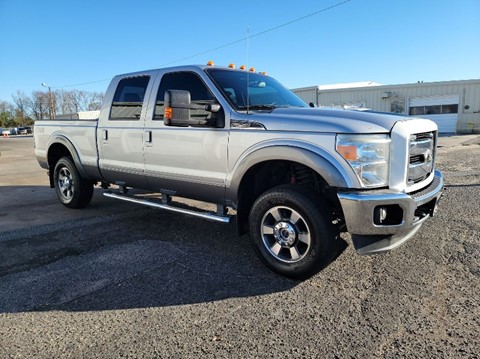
<point x="433" y="110"/>
<point x="417" y="110"/>
<point x="449" y="108"/>
<point x="128" y="99"/>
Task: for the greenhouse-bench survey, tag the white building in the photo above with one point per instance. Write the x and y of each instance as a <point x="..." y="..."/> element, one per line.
<point x="453" y="105"/>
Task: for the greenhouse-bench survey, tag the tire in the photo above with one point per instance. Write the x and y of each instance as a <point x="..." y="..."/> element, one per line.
<point x="291" y="231"/>
<point x="72" y="190"/>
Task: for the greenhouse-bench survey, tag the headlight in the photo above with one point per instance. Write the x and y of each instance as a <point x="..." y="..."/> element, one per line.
<point x="368" y="155"/>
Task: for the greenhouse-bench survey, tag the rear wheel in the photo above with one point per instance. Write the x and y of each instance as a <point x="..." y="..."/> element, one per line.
<point x="72" y="190"/>
<point x="291" y="232"/>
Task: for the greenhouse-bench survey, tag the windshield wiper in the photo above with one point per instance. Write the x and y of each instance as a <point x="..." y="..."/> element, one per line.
<point x="258" y="107"/>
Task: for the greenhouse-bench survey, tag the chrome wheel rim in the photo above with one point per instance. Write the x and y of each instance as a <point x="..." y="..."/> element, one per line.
<point x="65" y="184"/>
<point x="285" y="234"/>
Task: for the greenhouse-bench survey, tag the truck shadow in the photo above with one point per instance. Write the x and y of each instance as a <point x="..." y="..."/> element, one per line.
<point x="135" y="259"/>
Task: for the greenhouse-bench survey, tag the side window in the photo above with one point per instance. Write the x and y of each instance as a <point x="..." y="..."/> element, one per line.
<point x="128" y="99"/>
<point x="199" y="94"/>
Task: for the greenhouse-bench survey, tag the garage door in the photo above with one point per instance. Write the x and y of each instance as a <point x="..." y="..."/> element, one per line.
<point x="441" y="109"/>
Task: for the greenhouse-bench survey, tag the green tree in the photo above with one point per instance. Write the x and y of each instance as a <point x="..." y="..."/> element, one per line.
<point x="6" y="114"/>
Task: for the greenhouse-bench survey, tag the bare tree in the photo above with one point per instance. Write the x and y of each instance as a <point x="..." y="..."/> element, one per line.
<point x="95" y="101"/>
<point x="38" y="105"/>
<point x="46" y="104"/>
<point x="21" y="106"/>
<point x="82" y="101"/>
<point x="5" y="107"/>
<point x="64" y="101"/>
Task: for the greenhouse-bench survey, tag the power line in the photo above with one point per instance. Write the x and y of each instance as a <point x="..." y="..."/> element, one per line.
<point x="246" y="38"/>
<point x="82" y="83"/>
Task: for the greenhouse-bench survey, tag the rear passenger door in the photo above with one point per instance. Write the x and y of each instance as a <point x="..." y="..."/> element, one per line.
<point x="120" y="137"/>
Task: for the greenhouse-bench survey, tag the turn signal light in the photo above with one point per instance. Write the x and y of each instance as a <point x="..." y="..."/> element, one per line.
<point x="348" y="152"/>
<point x="168" y="113"/>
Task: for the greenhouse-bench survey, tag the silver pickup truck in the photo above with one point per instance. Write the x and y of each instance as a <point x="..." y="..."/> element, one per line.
<point x="293" y="176"/>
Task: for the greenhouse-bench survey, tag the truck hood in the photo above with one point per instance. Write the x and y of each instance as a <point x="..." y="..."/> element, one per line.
<point x="326" y="120"/>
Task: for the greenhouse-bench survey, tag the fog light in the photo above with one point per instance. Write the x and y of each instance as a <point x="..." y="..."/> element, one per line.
<point x="388" y="215"/>
<point x="382" y="213"/>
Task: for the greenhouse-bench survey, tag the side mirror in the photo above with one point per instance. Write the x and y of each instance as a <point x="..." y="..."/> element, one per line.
<point x="177" y="109"/>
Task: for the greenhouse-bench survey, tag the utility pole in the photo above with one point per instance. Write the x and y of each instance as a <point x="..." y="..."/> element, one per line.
<point x="51" y="105"/>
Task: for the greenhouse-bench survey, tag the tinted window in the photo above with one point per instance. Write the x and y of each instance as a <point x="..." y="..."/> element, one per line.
<point x="128" y="99"/>
<point x="199" y="94"/>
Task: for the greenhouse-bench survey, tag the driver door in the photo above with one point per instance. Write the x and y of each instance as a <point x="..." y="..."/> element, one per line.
<point x="186" y="161"/>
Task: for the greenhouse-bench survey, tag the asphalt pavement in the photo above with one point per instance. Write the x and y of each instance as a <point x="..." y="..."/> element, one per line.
<point x="119" y="280"/>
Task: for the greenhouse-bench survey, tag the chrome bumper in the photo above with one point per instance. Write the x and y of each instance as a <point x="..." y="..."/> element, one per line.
<point x="382" y="220"/>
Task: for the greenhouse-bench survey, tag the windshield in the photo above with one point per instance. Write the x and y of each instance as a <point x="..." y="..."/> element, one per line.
<point x="262" y="92"/>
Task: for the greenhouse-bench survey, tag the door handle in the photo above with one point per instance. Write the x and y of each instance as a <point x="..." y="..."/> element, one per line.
<point x="148" y="137"/>
<point x="105" y="135"/>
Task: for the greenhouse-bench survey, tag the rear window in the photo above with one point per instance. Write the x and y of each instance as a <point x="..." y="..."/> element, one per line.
<point x="128" y="99"/>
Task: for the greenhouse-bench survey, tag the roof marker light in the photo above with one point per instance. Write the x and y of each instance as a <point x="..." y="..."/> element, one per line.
<point x="232" y="66"/>
<point x="252" y="69"/>
<point x="210" y="63"/>
<point x="242" y="67"/>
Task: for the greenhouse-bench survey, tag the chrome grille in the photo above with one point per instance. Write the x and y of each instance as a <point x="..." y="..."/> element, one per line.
<point x="421" y="157"/>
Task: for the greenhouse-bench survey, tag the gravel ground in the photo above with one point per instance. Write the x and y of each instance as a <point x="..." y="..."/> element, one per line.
<point x="146" y="283"/>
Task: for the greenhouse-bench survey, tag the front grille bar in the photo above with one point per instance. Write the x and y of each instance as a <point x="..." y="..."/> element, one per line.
<point x="421" y="157"/>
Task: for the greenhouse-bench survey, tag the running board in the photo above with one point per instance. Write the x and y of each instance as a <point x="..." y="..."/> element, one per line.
<point x="168" y="207"/>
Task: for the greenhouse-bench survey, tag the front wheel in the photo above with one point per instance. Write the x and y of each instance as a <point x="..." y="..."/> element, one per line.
<point x="291" y="231"/>
<point x="72" y="190"/>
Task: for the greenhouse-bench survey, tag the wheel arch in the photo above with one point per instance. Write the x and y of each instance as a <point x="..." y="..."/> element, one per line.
<point x="268" y="167"/>
<point x="60" y="146"/>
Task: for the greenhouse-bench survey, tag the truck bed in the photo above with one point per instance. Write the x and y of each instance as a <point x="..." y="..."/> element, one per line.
<point x="81" y="135"/>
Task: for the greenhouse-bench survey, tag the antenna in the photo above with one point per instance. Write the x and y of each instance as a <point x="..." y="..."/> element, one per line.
<point x="248" y="72"/>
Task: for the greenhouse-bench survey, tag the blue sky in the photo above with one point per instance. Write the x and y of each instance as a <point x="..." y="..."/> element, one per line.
<point x="65" y="43"/>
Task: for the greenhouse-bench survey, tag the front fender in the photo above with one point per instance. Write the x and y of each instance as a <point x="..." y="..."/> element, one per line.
<point x="324" y="163"/>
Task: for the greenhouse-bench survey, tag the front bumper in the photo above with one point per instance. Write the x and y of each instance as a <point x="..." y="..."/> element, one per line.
<point x="382" y="220"/>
